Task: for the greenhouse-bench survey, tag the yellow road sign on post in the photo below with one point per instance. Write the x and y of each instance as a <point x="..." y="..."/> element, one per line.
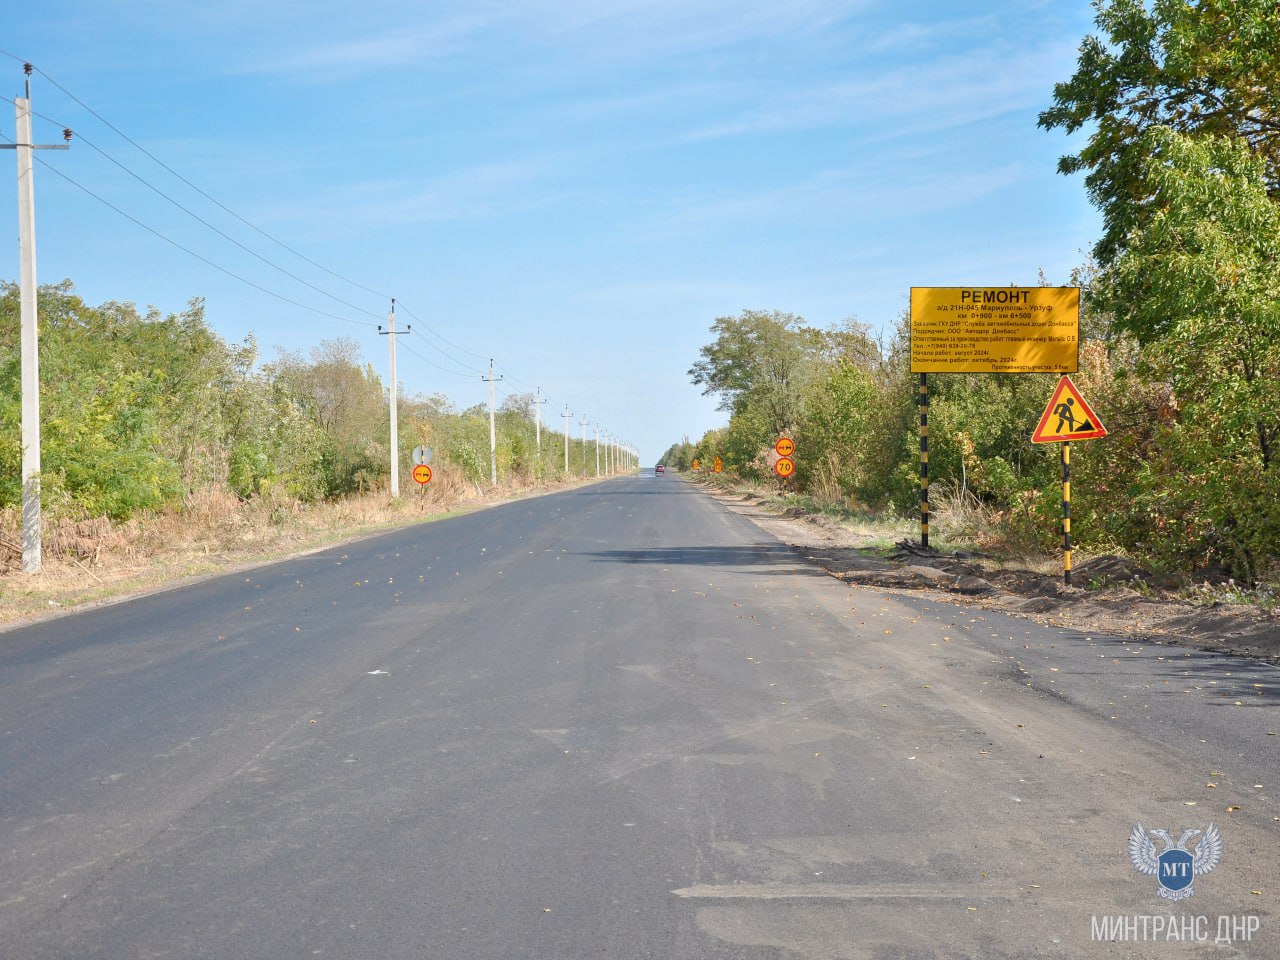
<point x="719" y="465"/>
<point x="995" y="329"/>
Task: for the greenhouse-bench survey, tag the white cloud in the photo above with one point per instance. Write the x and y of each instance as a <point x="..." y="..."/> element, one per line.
<point x="915" y="98"/>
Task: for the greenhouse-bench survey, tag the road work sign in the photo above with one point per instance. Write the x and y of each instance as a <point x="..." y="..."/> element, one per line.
<point x="1067" y="417"/>
<point x="995" y="329"/>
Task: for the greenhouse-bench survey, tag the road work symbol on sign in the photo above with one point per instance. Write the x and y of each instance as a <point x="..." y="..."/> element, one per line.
<point x="422" y="473"/>
<point x="1068" y="417"/>
<point x="785" y="467"/>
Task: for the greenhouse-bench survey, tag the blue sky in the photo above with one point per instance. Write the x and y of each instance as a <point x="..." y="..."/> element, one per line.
<point x="577" y="188"/>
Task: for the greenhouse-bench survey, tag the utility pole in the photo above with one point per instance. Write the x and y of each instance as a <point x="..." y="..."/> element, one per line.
<point x="493" y="429"/>
<point x="390" y="333"/>
<point x="539" y="400"/>
<point x="567" y="415"/>
<point x="30" y="349"/>
<point x="585" y="421"/>
<point x="597" y="448"/>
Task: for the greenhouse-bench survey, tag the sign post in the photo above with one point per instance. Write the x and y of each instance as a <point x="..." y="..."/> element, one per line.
<point x="1075" y="421"/>
<point x="988" y="330"/>
<point x="785" y="467"/>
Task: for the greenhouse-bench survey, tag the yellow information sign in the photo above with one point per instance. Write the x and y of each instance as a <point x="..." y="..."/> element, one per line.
<point x="995" y="329"/>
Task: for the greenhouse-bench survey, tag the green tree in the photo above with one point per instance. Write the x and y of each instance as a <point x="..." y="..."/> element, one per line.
<point x="759" y="365"/>
<point x="1207" y="68"/>
<point x="1199" y="287"/>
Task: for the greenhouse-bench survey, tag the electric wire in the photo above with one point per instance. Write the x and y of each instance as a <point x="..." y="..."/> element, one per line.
<point x="195" y="216"/>
<point x="229" y="211"/>
<point x="426" y="328"/>
<point x="124" y="136"/>
<point x="203" y="259"/>
<point x="430" y="363"/>
<point x="423" y="326"/>
<point x="443" y="339"/>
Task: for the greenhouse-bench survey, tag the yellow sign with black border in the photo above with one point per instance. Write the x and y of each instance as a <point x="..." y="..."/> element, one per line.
<point x="995" y="329"/>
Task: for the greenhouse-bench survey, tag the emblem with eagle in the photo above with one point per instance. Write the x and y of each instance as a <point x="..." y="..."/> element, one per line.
<point x="1175" y="868"/>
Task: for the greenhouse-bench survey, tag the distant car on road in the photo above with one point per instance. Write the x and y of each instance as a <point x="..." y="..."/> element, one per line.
<point x="660" y="468"/>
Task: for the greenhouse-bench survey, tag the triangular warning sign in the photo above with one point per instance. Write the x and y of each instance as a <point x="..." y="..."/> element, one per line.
<point x="1068" y="417"/>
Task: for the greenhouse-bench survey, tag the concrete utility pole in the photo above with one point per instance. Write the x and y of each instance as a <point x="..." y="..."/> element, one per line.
<point x="567" y="415"/>
<point x="585" y="421"/>
<point x="30" y="348"/>
<point x="493" y="429"/>
<point x="390" y="333"/>
<point x="539" y="400"/>
<point x="597" y="448"/>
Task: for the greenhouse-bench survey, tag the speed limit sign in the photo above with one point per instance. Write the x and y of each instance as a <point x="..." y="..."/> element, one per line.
<point x="785" y="467"/>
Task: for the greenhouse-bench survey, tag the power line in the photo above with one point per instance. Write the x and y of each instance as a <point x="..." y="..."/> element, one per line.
<point x="422" y="324"/>
<point x="453" y="373"/>
<point x="438" y="336"/>
<point x="200" y="257"/>
<point x="207" y="196"/>
<point x="426" y="328"/>
<point x="195" y="216"/>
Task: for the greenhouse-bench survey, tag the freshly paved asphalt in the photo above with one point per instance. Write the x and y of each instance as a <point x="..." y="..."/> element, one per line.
<point x="614" y="722"/>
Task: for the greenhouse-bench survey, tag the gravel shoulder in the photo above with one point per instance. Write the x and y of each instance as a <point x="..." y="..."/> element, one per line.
<point x="1115" y="603"/>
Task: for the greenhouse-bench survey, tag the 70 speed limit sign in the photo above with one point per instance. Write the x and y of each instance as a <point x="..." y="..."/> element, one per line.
<point x="785" y="467"/>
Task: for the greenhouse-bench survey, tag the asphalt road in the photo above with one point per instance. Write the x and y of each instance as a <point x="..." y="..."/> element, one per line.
<point x="614" y="722"/>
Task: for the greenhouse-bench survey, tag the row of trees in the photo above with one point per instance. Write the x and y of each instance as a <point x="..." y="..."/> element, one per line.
<point x="1180" y="327"/>
<point x="139" y="409"/>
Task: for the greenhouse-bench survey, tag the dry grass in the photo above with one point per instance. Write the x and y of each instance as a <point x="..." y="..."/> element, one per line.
<point x="92" y="560"/>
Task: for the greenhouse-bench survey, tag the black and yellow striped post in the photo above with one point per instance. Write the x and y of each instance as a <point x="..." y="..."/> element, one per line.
<point x="924" y="460"/>
<point x="1066" y="514"/>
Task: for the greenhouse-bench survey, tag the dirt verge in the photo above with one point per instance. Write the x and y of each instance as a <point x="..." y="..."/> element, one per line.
<point x="1119" y="598"/>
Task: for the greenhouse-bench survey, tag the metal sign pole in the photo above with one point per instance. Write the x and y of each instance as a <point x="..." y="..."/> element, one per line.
<point x="924" y="460"/>
<point x="1066" y="513"/>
